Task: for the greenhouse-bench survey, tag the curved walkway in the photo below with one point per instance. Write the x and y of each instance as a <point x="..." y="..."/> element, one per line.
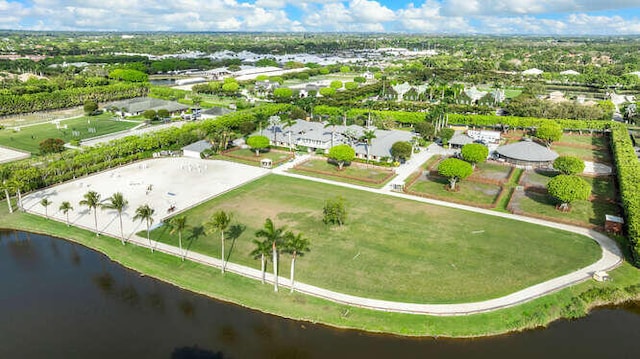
<point x="611" y="258"/>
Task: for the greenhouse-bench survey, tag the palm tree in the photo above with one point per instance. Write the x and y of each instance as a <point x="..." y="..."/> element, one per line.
<point x="118" y="203"/>
<point x="65" y="207"/>
<point x="296" y="245"/>
<point x="5" y="175"/>
<point x="288" y="123"/>
<point x="333" y="121"/>
<point x="145" y="213"/>
<point x="261" y="251"/>
<point x="274" y="121"/>
<point x="16" y="185"/>
<point x="45" y="202"/>
<point x="273" y="236"/>
<point x="368" y="136"/>
<point x="92" y="200"/>
<point x="219" y="221"/>
<point x="178" y="224"/>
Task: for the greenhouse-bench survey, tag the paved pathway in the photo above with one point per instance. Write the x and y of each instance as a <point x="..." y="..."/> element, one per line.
<point x="611" y="258"/>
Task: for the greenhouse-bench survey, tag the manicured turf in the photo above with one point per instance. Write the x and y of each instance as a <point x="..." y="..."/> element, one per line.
<point x="586" y="154"/>
<point x="571" y="302"/>
<point x="492" y="171"/>
<point x="593" y="140"/>
<point x="582" y="212"/>
<point x="391" y="248"/>
<point x="355" y="173"/>
<point x="245" y="155"/>
<point x="28" y="138"/>
<point x="467" y="192"/>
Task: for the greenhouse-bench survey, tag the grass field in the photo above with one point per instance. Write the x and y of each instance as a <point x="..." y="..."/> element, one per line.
<point x="246" y="156"/>
<point x="28" y="138"/>
<point x="582" y="212"/>
<point x="571" y="302"/>
<point x="355" y="173"/>
<point x="593" y="140"/>
<point x="585" y="154"/>
<point x="391" y="248"/>
<point x="468" y="191"/>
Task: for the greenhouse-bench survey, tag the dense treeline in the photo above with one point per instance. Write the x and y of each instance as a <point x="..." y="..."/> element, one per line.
<point x="44" y="101"/>
<point x="628" y="170"/>
<point x="506" y="122"/>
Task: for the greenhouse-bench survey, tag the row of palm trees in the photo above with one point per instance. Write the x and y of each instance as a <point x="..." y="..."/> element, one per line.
<point x="270" y="240"/>
<point x="116" y="202"/>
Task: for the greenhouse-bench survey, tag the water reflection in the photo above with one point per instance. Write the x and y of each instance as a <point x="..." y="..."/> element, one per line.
<point x="64" y="301"/>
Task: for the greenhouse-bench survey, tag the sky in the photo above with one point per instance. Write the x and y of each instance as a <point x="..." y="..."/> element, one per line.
<point x="539" y="17"/>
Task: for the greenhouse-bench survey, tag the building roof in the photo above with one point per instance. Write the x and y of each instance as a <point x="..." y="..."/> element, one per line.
<point x="570" y="72"/>
<point x="460" y="139"/>
<point x="316" y="131"/>
<point x="141" y="104"/>
<point x="216" y="111"/>
<point x="198" y="146"/>
<point x="527" y="151"/>
<point x="532" y="71"/>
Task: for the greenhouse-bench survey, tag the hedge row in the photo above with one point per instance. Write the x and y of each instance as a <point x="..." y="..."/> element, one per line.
<point x="628" y="170"/>
<point x="404" y="117"/>
<point x="40" y="172"/>
<point x="526" y="122"/>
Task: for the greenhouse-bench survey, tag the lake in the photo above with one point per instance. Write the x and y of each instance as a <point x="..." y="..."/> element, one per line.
<point x="61" y="300"/>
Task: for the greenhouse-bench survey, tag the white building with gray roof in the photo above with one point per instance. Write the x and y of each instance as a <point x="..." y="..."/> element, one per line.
<point x="315" y="136"/>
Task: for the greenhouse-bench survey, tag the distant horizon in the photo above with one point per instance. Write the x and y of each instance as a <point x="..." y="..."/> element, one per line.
<point x="564" y="18"/>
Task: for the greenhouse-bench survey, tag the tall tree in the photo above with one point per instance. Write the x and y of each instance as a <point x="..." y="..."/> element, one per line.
<point x="5" y="176"/>
<point x="178" y="224"/>
<point x="333" y="122"/>
<point x="45" y="202"/>
<point x="567" y="189"/>
<point x="262" y="250"/>
<point x="274" y="236"/>
<point x="368" y="136"/>
<point x="219" y="221"/>
<point x="297" y="246"/>
<point x="65" y="207"/>
<point x="92" y="200"/>
<point x="17" y="184"/>
<point x="145" y="213"/>
<point x="118" y="203"/>
<point x="288" y="123"/>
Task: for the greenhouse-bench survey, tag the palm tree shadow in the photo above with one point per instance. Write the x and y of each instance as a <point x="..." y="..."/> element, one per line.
<point x="234" y="232"/>
<point x="195" y="233"/>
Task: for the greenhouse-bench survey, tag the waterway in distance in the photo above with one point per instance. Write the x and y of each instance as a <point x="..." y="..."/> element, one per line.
<point x="62" y="300"/>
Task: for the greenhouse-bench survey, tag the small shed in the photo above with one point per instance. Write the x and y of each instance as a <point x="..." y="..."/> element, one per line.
<point x="266" y="163"/>
<point x="613" y="224"/>
<point x="195" y="149"/>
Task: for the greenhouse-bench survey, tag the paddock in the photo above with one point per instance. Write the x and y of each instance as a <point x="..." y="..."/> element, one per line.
<point x="168" y="185"/>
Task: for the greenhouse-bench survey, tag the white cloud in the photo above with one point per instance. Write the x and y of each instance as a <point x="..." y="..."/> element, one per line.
<point x="426" y="16"/>
<point x="530" y="7"/>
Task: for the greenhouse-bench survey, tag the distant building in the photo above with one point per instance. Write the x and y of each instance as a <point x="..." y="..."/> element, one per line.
<point x="532" y="72"/>
<point x="195" y="149"/>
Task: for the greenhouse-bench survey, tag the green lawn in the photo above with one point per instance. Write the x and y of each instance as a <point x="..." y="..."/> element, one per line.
<point x="492" y="171"/>
<point x="586" y="154"/>
<point x="391" y="248"/>
<point x="355" y="173"/>
<point x="582" y="212"/>
<point x="586" y="139"/>
<point x="248" y="156"/>
<point x="468" y="191"/>
<point x="28" y="138"/>
<point x="571" y="302"/>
